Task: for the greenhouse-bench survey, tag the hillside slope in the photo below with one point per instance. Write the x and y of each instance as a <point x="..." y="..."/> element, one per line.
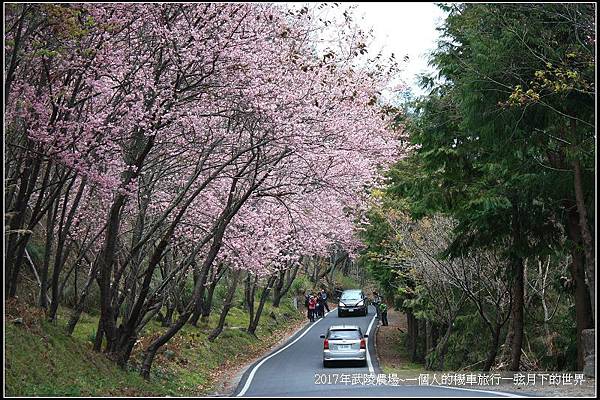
<point x="40" y="360"/>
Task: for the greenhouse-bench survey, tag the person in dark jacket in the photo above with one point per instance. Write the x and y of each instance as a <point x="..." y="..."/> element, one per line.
<point x="320" y="308"/>
<point x="306" y="301"/>
<point x="376" y="302"/>
<point x="323" y="296"/>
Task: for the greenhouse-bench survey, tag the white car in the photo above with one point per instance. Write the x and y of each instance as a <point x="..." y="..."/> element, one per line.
<point x="344" y="343"/>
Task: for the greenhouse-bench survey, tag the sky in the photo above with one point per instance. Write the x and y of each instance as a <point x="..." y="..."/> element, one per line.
<point x="403" y="29"/>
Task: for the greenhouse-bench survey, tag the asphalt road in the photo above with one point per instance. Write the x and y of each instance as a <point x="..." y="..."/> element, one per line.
<point x="296" y="369"/>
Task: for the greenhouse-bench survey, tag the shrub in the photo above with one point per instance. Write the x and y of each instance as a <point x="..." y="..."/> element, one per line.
<point x="300" y="285"/>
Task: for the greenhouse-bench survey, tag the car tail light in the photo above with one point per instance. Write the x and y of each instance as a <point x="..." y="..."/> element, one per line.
<point x="326" y="344"/>
<point x="363" y="344"/>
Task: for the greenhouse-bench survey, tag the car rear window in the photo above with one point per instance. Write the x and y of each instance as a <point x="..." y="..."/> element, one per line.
<point x="351" y="296"/>
<point x="344" y="334"/>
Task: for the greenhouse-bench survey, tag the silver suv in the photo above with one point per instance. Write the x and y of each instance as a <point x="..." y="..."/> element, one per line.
<point x="344" y="343"/>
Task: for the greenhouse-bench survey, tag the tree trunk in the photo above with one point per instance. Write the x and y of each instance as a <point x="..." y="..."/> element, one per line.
<point x="136" y="257"/>
<point x="21" y="246"/>
<point x="421" y="341"/>
<point x="413" y="333"/>
<point x="198" y="307"/>
<point x="441" y="349"/>
<point x="491" y="358"/>
<point x="140" y="149"/>
<point x="215" y="246"/>
<point x="415" y="341"/>
<point x="78" y="309"/>
<point x="510" y="334"/>
<point x="66" y="220"/>
<point x="544" y="274"/>
<point x="151" y="351"/>
<point x="518" y="290"/>
<point x="168" y="320"/>
<point x="249" y="291"/>
<point x="105" y="270"/>
<point x="207" y="303"/>
<point x="278" y="288"/>
<point x="33" y="269"/>
<point x="15" y="224"/>
<point x="409" y="331"/>
<point x="50" y="220"/>
<point x="20" y="241"/>
<point x="263" y="298"/>
<point x="99" y="336"/>
<point x="517" y="315"/>
<point x="291" y="275"/>
<point x="586" y="236"/>
<point x="428" y="337"/>
<point x="583" y="315"/>
<point x="226" y="305"/>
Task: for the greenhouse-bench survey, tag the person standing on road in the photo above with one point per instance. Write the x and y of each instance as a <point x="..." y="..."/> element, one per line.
<point x="312" y="304"/>
<point x="323" y="296"/>
<point x="383" y="308"/>
<point x="320" y="308"/>
<point x="376" y="302"/>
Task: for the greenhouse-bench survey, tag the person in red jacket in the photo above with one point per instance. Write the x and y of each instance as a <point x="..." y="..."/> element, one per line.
<point x="312" y="306"/>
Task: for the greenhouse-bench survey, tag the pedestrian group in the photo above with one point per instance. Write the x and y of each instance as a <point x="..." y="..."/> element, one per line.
<point x="316" y="305"/>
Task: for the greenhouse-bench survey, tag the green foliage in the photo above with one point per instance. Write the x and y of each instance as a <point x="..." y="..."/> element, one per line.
<point x="345" y="282"/>
<point x="220" y="293"/>
<point x="486" y="164"/>
<point x="470" y="343"/>
<point x="187" y="291"/>
<point x="45" y="53"/>
<point x="52" y="364"/>
<point x="36" y="252"/>
<point x="418" y="302"/>
<point x="300" y="285"/>
<point x="495" y="140"/>
<point x="90" y="304"/>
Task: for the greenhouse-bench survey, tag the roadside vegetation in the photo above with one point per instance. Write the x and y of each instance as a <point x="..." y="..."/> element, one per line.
<point x="484" y="235"/>
<point x="42" y="360"/>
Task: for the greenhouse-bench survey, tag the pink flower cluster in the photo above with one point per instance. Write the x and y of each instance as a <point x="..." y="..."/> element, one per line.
<point x="226" y="93"/>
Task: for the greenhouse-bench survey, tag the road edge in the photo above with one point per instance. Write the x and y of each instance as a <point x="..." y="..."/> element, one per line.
<point x="240" y="375"/>
<point x="247" y="370"/>
<point x="377" y="369"/>
<point x="231" y="388"/>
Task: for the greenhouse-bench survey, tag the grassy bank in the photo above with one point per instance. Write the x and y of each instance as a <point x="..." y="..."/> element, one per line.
<point x="42" y="361"/>
<point x="391" y="349"/>
<point x="398" y="360"/>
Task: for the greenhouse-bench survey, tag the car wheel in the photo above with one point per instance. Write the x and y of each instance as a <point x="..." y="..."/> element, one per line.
<point x="339" y="314"/>
<point x="366" y="312"/>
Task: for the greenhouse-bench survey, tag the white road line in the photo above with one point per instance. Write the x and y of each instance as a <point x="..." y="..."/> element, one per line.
<point x="253" y="372"/>
<point x="476" y="390"/>
<point x="369" y="363"/>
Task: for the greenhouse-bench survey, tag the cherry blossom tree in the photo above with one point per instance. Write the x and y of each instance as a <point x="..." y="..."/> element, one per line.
<point x="169" y="141"/>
